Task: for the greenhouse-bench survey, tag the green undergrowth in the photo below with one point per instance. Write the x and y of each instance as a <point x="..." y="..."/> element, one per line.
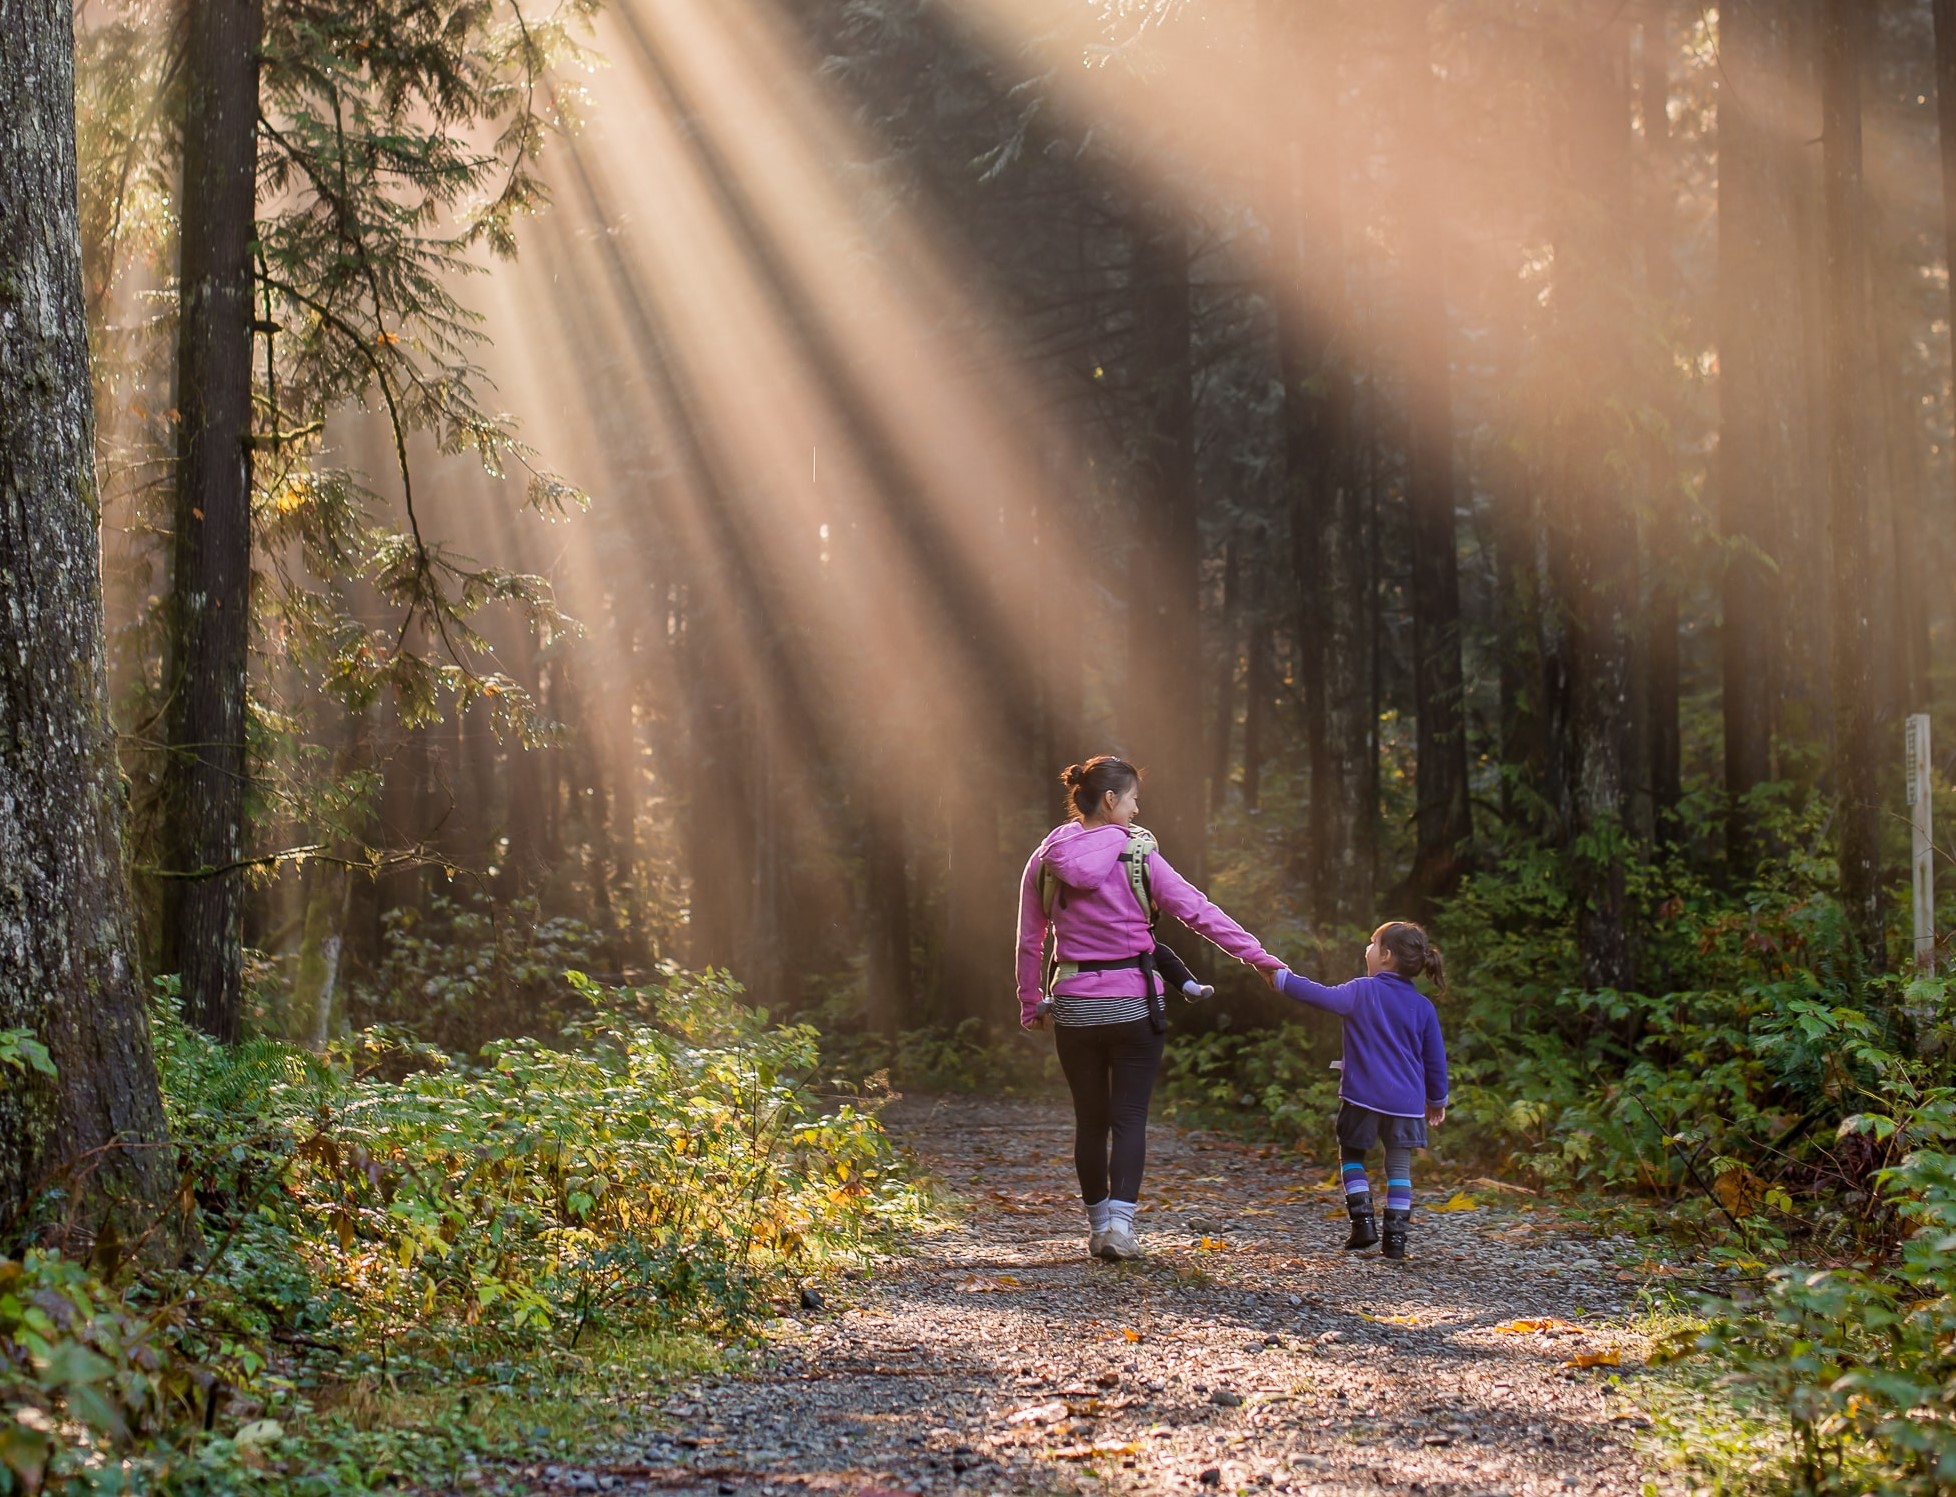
<point x="409" y="1264"/>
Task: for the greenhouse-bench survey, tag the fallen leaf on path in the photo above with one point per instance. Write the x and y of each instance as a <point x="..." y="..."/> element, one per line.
<point x="1211" y="1244"/>
<point x="1460" y="1201"/>
<point x="1039" y="1413"/>
<point x="1594" y="1359"/>
<point x="1088" y="1452"/>
<point x="1487" y="1184"/>
<point x="1130" y="1333"/>
<point x="1549" y="1326"/>
<point x="1390" y="1319"/>
<point x="996" y="1284"/>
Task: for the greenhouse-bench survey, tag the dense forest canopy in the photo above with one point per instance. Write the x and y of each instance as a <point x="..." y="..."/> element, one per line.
<point x="1415" y="432"/>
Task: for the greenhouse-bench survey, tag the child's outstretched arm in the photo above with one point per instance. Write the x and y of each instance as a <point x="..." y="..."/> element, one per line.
<point x="1339" y="1000"/>
<point x="1433" y="1051"/>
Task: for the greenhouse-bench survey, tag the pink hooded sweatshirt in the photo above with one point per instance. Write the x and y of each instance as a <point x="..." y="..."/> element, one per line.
<point x="1099" y="919"/>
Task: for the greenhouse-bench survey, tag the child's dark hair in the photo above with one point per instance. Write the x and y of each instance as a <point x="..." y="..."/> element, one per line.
<point x="1087" y="783"/>
<point x="1411" y="952"/>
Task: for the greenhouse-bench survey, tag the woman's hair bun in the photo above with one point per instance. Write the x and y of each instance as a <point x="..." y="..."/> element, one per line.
<point x="1073" y="774"/>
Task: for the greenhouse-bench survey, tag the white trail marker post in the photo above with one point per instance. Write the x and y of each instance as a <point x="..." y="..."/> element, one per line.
<point x="1921" y="816"/>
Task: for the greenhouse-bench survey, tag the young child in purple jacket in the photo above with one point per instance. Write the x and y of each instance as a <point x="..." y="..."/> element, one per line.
<point x="1395" y="1071"/>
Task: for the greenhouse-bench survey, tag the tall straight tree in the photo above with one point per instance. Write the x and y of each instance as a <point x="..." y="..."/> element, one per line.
<point x="1592" y="526"/>
<point x="1164" y="651"/>
<point x="66" y="972"/>
<point x="1335" y="586"/>
<point x="1666" y="525"/>
<point x="205" y="772"/>
<point x="1848" y="329"/>
<point x="1945" y="19"/>
<point x="1761" y="388"/>
<point x="1442" y="821"/>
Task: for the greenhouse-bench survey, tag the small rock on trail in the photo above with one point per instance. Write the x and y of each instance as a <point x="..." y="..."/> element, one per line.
<point x="1251" y="1355"/>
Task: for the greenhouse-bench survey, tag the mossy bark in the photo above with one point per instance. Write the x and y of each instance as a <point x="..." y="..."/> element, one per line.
<point x="96" y="1130"/>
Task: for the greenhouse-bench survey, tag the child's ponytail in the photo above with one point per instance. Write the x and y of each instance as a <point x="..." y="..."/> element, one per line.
<point x="1413" y="954"/>
<point x="1436" y="968"/>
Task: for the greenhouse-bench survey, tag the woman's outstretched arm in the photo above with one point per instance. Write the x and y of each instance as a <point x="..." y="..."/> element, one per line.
<point x="1191" y="906"/>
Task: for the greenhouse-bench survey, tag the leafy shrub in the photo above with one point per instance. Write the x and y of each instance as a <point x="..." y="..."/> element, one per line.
<point x="462" y="973"/>
<point x="393" y="1209"/>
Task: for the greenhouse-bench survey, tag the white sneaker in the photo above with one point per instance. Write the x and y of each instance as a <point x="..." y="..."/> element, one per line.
<point x="1118" y="1245"/>
<point x="1095" y="1243"/>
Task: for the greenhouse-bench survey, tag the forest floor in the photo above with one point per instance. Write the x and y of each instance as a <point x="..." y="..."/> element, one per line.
<point x="1245" y="1352"/>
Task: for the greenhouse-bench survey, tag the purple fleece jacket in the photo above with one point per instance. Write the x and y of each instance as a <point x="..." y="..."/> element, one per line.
<point x="1099" y="920"/>
<point x="1395" y="1060"/>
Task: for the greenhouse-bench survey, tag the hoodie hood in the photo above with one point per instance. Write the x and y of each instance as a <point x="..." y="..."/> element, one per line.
<point x="1081" y="858"/>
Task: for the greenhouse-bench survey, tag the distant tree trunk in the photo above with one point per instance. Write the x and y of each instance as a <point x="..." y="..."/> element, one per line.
<point x="1164" y="696"/>
<point x="1258" y="690"/>
<point x="1442" y="823"/>
<point x="317" y="1010"/>
<point x="1667" y="531"/>
<point x="890" y="979"/>
<point x="204" y="775"/>
<point x="1593" y="525"/>
<point x="1228" y="622"/>
<point x="1858" y="809"/>
<point x="1334" y="584"/>
<point x="96" y="1127"/>
<point x="1904" y="446"/>
<point x="1945" y="18"/>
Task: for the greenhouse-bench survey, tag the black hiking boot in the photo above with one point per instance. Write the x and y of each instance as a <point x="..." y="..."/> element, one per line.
<point x="1396" y="1223"/>
<point x="1365" y="1227"/>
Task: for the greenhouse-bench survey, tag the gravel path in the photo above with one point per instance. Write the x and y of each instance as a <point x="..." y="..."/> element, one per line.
<point x="1246" y="1352"/>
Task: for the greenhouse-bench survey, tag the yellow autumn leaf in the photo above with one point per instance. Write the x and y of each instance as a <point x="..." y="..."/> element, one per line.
<point x="1548" y="1325"/>
<point x="994" y="1284"/>
<point x="1087" y="1452"/>
<point x="1460" y="1201"/>
<point x="1594" y="1359"/>
<point x="1130" y="1333"/>
<point x="1211" y="1244"/>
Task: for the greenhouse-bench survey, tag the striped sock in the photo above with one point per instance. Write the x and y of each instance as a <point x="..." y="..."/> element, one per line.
<point x="1355" y="1182"/>
<point x="1399" y="1179"/>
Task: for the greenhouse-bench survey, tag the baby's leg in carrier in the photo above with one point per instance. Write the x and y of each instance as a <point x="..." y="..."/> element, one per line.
<point x="1178" y="975"/>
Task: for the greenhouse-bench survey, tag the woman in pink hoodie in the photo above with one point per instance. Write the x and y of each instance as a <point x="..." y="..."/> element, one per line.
<point x="1105" y="1000"/>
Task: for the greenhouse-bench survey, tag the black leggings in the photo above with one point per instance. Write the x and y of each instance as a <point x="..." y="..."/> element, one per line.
<point x="1111" y="1070"/>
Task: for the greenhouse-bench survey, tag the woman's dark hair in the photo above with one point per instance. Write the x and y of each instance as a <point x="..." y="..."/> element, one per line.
<point x="1087" y="783"/>
<point x="1411" y="952"/>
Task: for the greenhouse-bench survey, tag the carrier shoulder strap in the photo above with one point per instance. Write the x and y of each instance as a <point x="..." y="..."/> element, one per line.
<point x="1140" y="843"/>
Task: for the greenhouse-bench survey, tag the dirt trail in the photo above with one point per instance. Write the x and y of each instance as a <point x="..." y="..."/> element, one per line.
<point x="1246" y="1352"/>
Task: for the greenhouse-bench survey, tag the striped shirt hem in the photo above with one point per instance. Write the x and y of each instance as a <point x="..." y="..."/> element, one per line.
<point x="1077" y="1012"/>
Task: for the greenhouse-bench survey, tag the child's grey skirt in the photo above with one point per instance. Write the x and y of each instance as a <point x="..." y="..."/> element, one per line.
<point x="1359" y="1128"/>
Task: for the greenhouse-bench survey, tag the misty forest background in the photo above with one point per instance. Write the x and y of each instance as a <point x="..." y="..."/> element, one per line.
<point x="1420" y="435"/>
<point x="611" y="519"/>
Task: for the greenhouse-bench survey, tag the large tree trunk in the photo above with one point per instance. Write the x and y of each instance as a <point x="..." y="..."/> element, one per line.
<point x="1162" y="717"/>
<point x="1442" y="824"/>
<point x="210" y="600"/>
<point x="66" y="973"/>
<point x="1857" y="808"/>
<point x="1592" y="524"/>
